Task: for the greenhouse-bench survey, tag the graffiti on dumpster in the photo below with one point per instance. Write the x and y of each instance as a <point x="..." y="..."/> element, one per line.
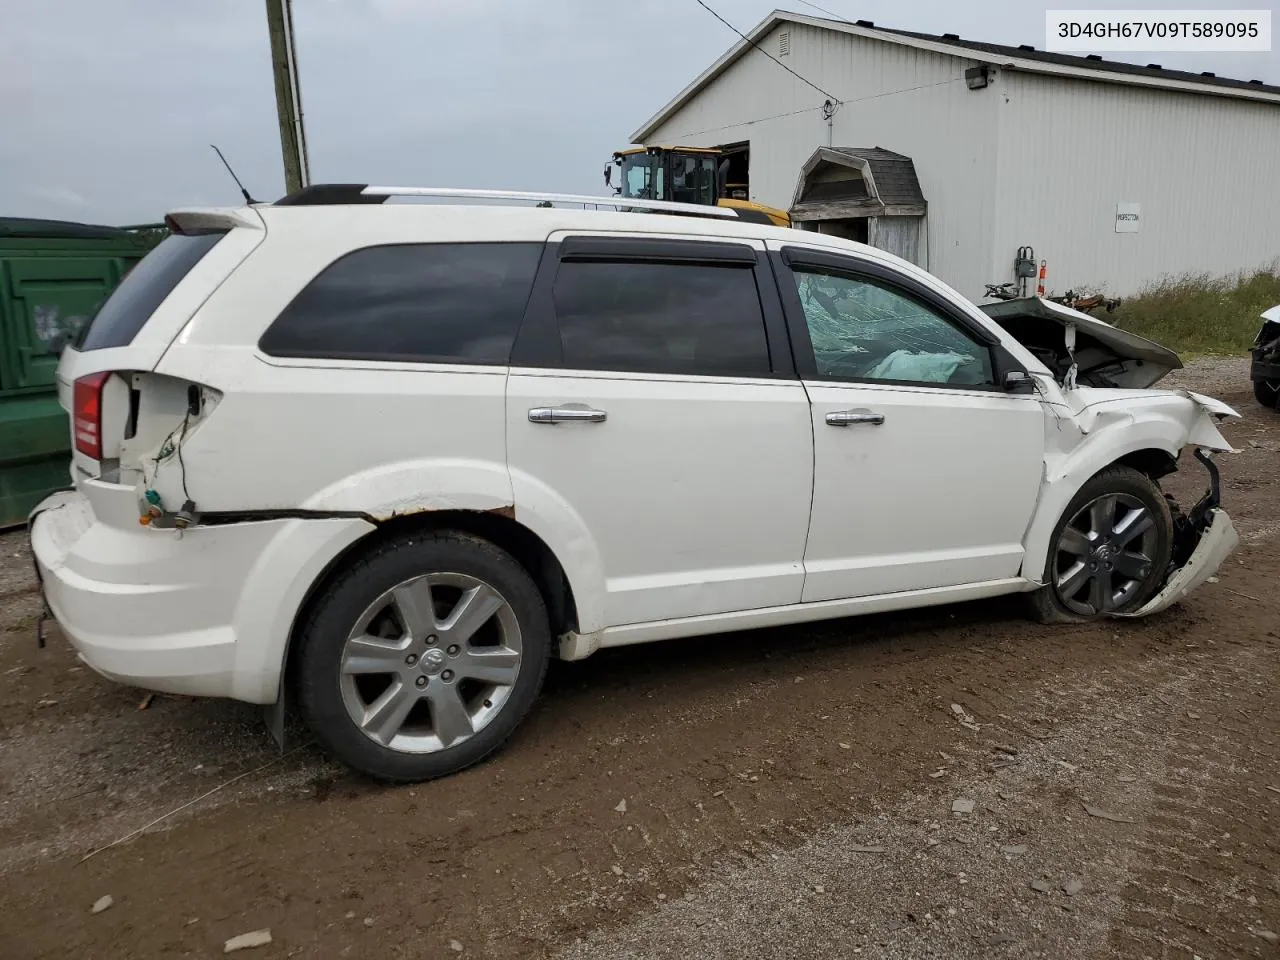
<point x="52" y="329"/>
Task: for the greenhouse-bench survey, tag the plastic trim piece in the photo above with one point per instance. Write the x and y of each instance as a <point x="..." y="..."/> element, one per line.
<point x="321" y="194"/>
<point x="655" y="251"/>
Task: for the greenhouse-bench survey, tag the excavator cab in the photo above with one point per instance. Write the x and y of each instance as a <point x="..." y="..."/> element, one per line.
<point x="681" y="174"/>
<point x="685" y="175"/>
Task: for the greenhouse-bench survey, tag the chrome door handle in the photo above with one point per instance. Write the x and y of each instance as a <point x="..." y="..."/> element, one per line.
<point x="842" y="418"/>
<point x="566" y="414"/>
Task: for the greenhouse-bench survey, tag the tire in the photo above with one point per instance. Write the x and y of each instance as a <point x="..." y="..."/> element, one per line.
<point x="1134" y="568"/>
<point x="1267" y="393"/>
<point x="422" y="657"/>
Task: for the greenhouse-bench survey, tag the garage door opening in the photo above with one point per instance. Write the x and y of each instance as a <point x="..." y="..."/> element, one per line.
<point x="735" y="170"/>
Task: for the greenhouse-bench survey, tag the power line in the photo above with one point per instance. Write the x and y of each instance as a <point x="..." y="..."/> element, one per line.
<point x="792" y="113"/>
<point x="829" y="96"/>
<point x="747" y="123"/>
<point x="833" y="16"/>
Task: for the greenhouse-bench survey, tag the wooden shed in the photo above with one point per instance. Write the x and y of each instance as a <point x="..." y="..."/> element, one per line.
<point x="867" y="194"/>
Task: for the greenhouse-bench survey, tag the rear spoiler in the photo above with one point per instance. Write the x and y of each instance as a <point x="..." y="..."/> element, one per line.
<point x="198" y="220"/>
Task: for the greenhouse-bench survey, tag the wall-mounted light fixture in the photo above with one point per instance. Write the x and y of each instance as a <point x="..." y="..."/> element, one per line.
<point x="976" y="78"/>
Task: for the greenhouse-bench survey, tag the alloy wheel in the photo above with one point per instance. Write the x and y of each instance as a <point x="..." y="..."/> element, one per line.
<point x="1103" y="555"/>
<point x="431" y="662"/>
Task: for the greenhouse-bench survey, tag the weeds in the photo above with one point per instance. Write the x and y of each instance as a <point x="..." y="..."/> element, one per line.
<point x="1198" y="313"/>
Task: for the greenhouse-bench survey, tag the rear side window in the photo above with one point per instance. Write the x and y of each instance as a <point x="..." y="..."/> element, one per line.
<point x="680" y="318"/>
<point x="447" y="303"/>
<point x="143" y="289"/>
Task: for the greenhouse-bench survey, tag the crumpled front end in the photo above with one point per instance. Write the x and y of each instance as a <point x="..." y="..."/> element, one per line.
<point x="1213" y="545"/>
<point x="1203" y="538"/>
<point x="1108" y="426"/>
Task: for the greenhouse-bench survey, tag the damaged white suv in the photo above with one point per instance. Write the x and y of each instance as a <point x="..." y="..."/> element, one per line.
<point x="388" y="459"/>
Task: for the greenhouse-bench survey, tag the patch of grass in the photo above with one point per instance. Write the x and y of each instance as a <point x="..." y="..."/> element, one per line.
<point x="1199" y="313"/>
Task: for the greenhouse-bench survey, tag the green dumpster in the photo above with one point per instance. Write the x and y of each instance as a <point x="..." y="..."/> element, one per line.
<point x="53" y="276"/>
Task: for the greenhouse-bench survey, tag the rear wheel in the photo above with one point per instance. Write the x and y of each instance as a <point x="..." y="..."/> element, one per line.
<point x="1267" y="392"/>
<point x="1110" y="550"/>
<point x="423" y="656"/>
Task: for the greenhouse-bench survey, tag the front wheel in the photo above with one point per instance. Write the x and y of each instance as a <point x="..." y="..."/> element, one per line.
<point x="1267" y="392"/>
<point x="1109" y="552"/>
<point x="423" y="656"/>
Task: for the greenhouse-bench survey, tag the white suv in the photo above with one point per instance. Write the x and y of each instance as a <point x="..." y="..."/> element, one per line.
<point x="389" y="458"/>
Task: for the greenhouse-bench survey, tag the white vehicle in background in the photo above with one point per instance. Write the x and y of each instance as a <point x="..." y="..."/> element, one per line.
<point x="387" y="459"/>
<point x="1264" y="368"/>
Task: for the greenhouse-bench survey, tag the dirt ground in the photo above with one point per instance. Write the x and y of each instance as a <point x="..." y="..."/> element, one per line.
<point x="788" y="793"/>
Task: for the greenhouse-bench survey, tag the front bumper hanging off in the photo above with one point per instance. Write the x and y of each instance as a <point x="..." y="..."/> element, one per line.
<point x="1202" y="540"/>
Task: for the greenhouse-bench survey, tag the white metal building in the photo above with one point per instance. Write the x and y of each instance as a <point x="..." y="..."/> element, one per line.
<point x="1115" y="174"/>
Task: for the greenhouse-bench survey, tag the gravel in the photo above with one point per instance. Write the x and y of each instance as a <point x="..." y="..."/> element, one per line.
<point x="942" y="886"/>
<point x="1208" y="375"/>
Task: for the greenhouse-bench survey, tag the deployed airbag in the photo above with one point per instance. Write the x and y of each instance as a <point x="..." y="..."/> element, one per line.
<point x="920" y="367"/>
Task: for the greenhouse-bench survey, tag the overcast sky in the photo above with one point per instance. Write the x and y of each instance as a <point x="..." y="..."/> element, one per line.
<point x="108" y="107"/>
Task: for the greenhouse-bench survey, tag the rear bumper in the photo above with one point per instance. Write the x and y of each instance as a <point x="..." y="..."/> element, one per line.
<point x="206" y="614"/>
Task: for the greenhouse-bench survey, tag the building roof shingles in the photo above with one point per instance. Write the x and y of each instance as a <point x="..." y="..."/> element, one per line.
<point x="1068" y="60"/>
<point x="894" y="174"/>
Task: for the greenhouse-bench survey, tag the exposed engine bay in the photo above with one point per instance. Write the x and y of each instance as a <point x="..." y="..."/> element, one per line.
<point x="1062" y="339"/>
<point x="1096" y="366"/>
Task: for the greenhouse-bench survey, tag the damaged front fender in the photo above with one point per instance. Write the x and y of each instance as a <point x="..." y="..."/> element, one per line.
<point x="1128" y="426"/>
<point x="1204" y="431"/>
<point x="1205" y="536"/>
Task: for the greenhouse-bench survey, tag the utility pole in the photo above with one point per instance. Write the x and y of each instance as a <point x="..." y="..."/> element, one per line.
<point x="284" y="69"/>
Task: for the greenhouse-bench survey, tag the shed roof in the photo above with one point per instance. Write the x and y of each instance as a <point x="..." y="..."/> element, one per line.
<point x="894" y="175"/>
<point x="1025" y="58"/>
<point x="885" y="183"/>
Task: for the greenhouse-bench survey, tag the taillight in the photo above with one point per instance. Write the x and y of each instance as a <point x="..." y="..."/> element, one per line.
<point x="86" y="414"/>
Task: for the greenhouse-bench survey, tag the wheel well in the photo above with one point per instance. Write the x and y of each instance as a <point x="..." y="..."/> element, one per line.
<point x="1151" y="462"/>
<point x="498" y="528"/>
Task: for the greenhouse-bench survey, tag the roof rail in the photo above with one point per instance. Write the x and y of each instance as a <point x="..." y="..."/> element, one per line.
<point x="614" y="200"/>
<point x="364" y="193"/>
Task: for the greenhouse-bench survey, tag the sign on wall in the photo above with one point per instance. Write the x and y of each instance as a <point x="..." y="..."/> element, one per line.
<point x="1128" y="217"/>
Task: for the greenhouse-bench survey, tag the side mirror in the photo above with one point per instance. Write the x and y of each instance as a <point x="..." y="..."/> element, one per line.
<point x="608" y="176"/>
<point x="1019" y="381"/>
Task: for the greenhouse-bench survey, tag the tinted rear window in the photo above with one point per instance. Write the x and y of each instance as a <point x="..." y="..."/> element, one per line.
<point x="144" y="287"/>
<point x="444" y="303"/>
<point x="680" y="318"/>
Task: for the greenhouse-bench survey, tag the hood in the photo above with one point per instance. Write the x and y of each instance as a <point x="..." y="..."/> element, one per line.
<point x="1102" y="355"/>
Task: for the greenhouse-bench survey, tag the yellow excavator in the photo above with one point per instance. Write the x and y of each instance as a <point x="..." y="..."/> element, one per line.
<point x="686" y="175"/>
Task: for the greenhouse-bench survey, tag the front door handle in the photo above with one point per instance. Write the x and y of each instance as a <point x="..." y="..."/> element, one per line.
<point x="569" y="413"/>
<point x="843" y="418"/>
